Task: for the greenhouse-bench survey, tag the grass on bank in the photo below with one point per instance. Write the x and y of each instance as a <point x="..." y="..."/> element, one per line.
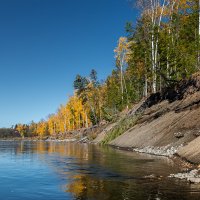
<point x="121" y="127"/>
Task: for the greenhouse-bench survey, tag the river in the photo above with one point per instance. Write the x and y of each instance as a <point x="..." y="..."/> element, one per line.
<point x="62" y="171"/>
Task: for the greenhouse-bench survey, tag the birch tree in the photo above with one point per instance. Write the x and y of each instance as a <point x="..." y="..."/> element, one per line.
<point x="153" y="9"/>
<point x="121" y="56"/>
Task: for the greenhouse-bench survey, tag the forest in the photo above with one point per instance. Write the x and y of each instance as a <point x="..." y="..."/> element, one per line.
<point x="157" y="51"/>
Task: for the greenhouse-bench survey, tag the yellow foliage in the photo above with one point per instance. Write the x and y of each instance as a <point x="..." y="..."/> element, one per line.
<point x="122" y="51"/>
<point x="42" y="128"/>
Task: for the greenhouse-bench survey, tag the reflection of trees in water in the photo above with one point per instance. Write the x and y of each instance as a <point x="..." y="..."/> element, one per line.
<point x="63" y="149"/>
<point x="86" y="187"/>
<point x="99" y="173"/>
<point x="103" y="156"/>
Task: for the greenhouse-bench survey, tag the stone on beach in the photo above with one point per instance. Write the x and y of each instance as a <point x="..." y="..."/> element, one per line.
<point x="192" y="176"/>
<point x="161" y="151"/>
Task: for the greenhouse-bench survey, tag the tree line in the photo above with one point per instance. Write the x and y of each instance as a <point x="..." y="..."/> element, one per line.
<point x="161" y="49"/>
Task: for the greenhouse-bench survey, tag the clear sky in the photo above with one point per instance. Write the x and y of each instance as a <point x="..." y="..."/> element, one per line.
<point x="45" y="43"/>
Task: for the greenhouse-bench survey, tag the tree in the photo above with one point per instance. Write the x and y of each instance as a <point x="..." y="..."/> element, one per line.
<point x="80" y="84"/>
<point x="122" y="55"/>
<point x="93" y="77"/>
<point x="162" y="48"/>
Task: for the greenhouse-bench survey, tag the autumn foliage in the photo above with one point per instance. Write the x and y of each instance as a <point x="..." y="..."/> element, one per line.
<point x="161" y="48"/>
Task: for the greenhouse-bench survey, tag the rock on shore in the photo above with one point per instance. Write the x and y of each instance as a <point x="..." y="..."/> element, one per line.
<point x="193" y="176"/>
<point x="160" y="151"/>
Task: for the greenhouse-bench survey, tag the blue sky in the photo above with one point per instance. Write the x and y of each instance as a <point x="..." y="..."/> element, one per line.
<point x="45" y="43"/>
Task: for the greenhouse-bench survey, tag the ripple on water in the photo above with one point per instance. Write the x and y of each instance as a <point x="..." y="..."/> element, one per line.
<point x="47" y="170"/>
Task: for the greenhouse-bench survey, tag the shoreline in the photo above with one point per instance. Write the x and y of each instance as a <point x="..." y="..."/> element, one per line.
<point x="174" y="157"/>
<point x="146" y="150"/>
<point x="38" y="140"/>
<point x="190" y="171"/>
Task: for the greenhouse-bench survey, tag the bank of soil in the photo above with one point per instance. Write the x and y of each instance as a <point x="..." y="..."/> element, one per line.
<point x="168" y="123"/>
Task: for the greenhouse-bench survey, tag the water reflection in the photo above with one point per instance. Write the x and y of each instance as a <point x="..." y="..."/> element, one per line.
<point x="91" y="172"/>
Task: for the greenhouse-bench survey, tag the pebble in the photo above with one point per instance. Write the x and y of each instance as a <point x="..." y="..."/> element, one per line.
<point x="192" y="176"/>
<point x="161" y="151"/>
<point x="179" y="135"/>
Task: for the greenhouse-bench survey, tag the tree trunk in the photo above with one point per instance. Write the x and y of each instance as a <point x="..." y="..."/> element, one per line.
<point x="146" y="86"/>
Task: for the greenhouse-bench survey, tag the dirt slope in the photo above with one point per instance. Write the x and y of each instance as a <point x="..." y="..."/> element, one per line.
<point x="173" y="120"/>
<point x="191" y="152"/>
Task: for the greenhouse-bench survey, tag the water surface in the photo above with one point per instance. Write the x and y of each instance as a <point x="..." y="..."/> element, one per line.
<point x="62" y="171"/>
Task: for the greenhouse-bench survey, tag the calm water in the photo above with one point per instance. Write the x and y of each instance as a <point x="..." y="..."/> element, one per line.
<point x="62" y="171"/>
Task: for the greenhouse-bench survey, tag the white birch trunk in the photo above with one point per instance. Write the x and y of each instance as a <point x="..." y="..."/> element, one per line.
<point x="146" y="78"/>
<point x="86" y="120"/>
<point x="121" y="75"/>
<point x="146" y="86"/>
<point x="153" y="47"/>
<point x="65" y="121"/>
